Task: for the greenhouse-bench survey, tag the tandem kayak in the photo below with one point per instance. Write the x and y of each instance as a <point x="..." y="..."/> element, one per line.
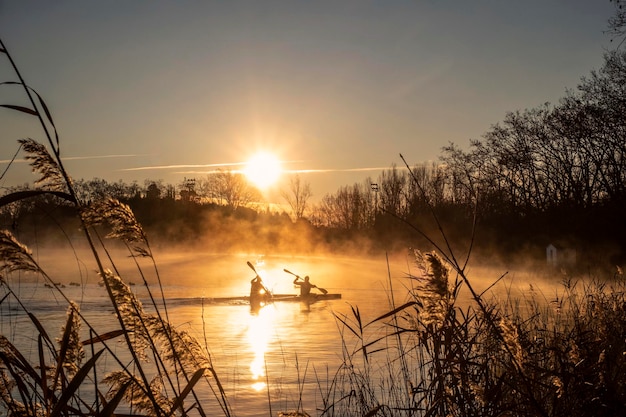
<point x="311" y="298"/>
<point x="256" y="302"/>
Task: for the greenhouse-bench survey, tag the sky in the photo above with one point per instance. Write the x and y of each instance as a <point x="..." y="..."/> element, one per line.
<point x="337" y="90"/>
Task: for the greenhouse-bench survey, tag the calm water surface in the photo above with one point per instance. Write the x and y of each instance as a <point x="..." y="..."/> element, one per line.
<point x="284" y="350"/>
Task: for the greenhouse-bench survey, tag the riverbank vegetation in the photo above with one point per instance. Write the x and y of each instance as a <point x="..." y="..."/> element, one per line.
<point x="555" y="172"/>
<point x="557" y="355"/>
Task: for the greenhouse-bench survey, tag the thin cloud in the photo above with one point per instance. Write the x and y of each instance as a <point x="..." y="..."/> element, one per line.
<point x="6" y="161"/>
<point x="323" y="171"/>
<point x="76" y="158"/>
<point x="158" y="167"/>
<point x="227" y="164"/>
<point x="210" y="171"/>
<point x="235" y="164"/>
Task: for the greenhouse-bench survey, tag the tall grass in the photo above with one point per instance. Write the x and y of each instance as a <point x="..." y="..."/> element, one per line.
<point x="167" y="366"/>
<point x="531" y="356"/>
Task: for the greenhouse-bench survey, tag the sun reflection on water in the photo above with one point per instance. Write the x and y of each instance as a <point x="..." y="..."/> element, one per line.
<point x="260" y="331"/>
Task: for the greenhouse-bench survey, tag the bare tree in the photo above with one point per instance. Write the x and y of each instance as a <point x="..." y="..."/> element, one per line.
<point x="570" y="155"/>
<point x="231" y="189"/>
<point x="617" y="22"/>
<point x="350" y="208"/>
<point x="393" y="191"/>
<point x="297" y="196"/>
<point x="153" y="192"/>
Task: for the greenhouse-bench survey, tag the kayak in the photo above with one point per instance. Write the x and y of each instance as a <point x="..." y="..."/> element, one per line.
<point x="311" y="298"/>
<point x="256" y="303"/>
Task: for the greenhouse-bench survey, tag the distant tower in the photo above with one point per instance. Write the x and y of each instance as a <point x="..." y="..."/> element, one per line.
<point x="188" y="193"/>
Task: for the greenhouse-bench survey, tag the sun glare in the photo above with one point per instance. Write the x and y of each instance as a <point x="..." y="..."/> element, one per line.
<point x="263" y="170"/>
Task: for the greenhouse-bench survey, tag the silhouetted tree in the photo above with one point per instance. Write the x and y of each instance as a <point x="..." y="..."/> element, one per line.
<point x="297" y="196"/>
<point x="392" y="190"/>
<point x="231" y="189"/>
<point x="617" y="22"/>
<point x="426" y="186"/>
<point x="350" y="208"/>
<point x="595" y="121"/>
<point x="153" y="191"/>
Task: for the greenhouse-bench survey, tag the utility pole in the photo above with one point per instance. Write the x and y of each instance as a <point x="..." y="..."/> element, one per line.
<point x="374" y="188"/>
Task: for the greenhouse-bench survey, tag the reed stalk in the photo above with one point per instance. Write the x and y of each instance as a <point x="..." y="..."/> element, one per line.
<point x="178" y="362"/>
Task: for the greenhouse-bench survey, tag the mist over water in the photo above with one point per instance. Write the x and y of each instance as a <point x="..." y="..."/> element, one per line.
<point x="285" y="351"/>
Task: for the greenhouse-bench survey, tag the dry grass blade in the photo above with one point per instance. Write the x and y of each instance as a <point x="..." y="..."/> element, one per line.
<point x="42" y="103"/>
<point x="103" y="337"/>
<point x="20" y="108"/>
<point x="366" y="346"/>
<point x="42" y="369"/>
<point x="181" y="398"/>
<point x="74" y="384"/>
<point x="220" y="387"/>
<point x="109" y="408"/>
<point x="11" y="357"/>
<point x="344" y="321"/>
<point x="42" y="162"/>
<point x="395" y="311"/>
<point x="42" y="331"/>
<point x="373" y="411"/>
<point x="18" y="383"/>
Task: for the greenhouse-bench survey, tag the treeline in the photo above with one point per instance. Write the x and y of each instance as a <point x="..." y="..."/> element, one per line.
<point x="556" y="173"/>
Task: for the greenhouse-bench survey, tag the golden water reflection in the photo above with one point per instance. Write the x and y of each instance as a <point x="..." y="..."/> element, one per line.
<point x="260" y="331"/>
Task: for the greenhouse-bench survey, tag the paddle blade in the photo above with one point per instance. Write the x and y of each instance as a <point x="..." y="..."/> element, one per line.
<point x="251" y="266"/>
<point x="289" y="272"/>
<point x="323" y="290"/>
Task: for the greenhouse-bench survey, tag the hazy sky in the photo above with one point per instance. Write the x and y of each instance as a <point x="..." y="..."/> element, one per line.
<point x="160" y="89"/>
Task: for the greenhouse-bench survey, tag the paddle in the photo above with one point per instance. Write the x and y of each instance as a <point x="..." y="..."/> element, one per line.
<point x="323" y="290"/>
<point x="252" y="267"/>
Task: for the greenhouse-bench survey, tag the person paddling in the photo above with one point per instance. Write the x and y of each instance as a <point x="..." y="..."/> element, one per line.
<point x="259" y="294"/>
<point x="258" y="290"/>
<point x="305" y="286"/>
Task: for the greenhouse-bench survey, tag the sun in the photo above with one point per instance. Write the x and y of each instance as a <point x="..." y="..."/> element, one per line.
<point x="263" y="170"/>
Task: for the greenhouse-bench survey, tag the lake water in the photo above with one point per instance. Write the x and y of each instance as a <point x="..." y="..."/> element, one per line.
<point x="285" y="352"/>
